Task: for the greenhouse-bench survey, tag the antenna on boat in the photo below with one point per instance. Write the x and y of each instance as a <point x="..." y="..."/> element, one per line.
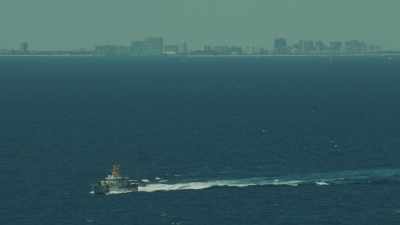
<point x="116" y="170"/>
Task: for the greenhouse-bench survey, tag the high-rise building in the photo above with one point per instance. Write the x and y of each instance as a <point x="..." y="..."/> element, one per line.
<point x="320" y="46"/>
<point x="335" y="46"/>
<point x="154" y="45"/>
<point x="24" y="47"/>
<point x="309" y="46"/>
<point x="137" y="48"/>
<point x="185" y="48"/>
<point x="355" y="46"/>
<point x="297" y="47"/>
<point x="374" y="48"/>
<point x="208" y="50"/>
<point x="280" y="46"/>
<point x="171" y="49"/>
<point x="151" y="46"/>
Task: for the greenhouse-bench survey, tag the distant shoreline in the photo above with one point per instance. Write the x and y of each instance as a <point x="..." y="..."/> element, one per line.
<point x="199" y="56"/>
<point x="38" y="55"/>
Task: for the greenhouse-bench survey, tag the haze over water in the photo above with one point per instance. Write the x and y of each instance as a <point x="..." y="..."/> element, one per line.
<point x="74" y="24"/>
<point x="268" y="140"/>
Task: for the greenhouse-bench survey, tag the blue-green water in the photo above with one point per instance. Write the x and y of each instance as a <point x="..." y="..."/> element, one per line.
<point x="273" y="140"/>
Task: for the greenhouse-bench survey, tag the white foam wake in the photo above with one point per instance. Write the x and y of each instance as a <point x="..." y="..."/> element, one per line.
<point x="197" y="185"/>
<point x="115" y="192"/>
<point x="319" y="179"/>
<point x="119" y="192"/>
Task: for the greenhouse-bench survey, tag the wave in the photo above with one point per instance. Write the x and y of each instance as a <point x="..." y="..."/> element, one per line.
<point x="319" y="179"/>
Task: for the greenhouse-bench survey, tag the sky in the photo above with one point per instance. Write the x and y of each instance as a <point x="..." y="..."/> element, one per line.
<point x="73" y="24"/>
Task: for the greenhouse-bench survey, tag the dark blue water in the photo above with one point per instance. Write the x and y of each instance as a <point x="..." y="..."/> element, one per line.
<point x="259" y="123"/>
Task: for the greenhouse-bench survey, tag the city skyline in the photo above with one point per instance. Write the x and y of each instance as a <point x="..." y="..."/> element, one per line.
<point x="74" y="24"/>
<point x="199" y="45"/>
<point x="156" y="46"/>
<point x="25" y="45"/>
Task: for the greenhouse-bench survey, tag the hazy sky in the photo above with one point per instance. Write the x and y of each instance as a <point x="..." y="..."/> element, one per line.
<point x="50" y="24"/>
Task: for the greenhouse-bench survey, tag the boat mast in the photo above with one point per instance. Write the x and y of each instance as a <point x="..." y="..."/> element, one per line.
<point x="115" y="171"/>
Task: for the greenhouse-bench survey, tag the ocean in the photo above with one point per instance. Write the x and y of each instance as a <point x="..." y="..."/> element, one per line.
<point x="215" y="140"/>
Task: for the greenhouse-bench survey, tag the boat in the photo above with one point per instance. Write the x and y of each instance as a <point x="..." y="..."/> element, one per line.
<point x="115" y="183"/>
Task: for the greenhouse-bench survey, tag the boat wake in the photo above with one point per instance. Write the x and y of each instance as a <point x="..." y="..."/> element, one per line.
<point x="115" y="192"/>
<point x="319" y="179"/>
